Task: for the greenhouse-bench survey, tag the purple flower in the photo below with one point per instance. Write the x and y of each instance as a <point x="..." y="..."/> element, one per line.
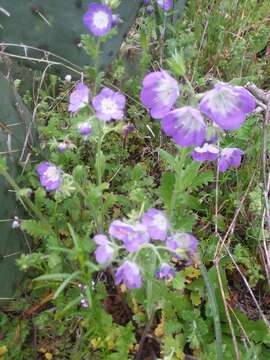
<point x="132" y="236"/>
<point x="205" y="152"/>
<point x="157" y="224"/>
<point x="98" y="19"/>
<point x="182" y="244"/>
<point x="129" y="274"/>
<point x="126" y="129"/>
<point x="116" y="20"/>
<point x="159" y="93"/>
<point x="165" y="272"/>
<point x="78" y="98"/>
<point x="104" y="252"/>
<point x="149" y="9"/>
<point x="62" y="147"/>
<point x="227" y="105"/>
<point x="146" y="2"/>
<point x="101" y="239"/>
<point x="109" y="105"/>
<point x="49" y="176"/>
<point x="165" y="5"/>
<point x="84" y="128"/>
<point x="230" y="157"/>
<point x="185" y="125"/>
<point x="84" y="303"/>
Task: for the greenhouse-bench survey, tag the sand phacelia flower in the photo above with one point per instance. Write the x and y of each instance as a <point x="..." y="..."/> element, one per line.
<point x="165" y="5"/>
<point x="230" y="158"/>
<point x="159" y="93"/>
<point x="109" y="105"/>
<point x="185" y="125"/>
<point x="50" y="176"/>
<point x="227" y="105"/>
<point x="157" y="224"/>
<point x="165" y="272"/>
<point x="182" y="244"/>
<point x="207" y="152"/>
<point x="61" y="147"/>
<point x="128" y="274"/>
<point x="84" y="128"/>
<point x="78" y="98"/>
<point x="104" y="251"/>
<point x="98" y="19"/>
<point x="132" y="236"/>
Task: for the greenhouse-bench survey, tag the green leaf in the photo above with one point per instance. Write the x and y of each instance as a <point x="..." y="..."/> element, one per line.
<point x="35" y="228"/>
<point x="179" y="281"/>
<point x="167" y="187"/>
<point x="52" y="277"/>
<point x="167" y="158"/>
<point x="65" y="283"/>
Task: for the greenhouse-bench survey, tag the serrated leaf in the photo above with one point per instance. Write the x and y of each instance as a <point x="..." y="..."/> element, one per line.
<point x="35" y="228"/>
<point x="179" y="281"/>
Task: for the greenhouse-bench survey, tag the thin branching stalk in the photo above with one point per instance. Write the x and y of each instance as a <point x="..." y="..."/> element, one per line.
<point x="235" y="346"/>
<point x="215" y="312"/>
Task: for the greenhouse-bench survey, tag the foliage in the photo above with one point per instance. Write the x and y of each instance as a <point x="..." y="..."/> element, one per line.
<point x="116" y="175"/>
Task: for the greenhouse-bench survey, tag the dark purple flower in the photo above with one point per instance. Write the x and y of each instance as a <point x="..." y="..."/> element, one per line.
<point x="159" y="93"/>
<point x="62" y="147"/>
<point x="157" y="224"/>
<point x="227" y="105"/>
<point x="165" y="5"/>
<point x="132" y="236"/>
<point x="109" y="105"/>
<point x="126" y="129"/>
<point x="78" y="98"/>
<point x="85" y="129"/>
<point x="165" y="272"/>
<point x="98" y="19"/>
<point x="128" y="274"/>
<point x="230" y="157"/>
<point x="185" y="125"/>
<point x="116" y="20"/>
<point x="205" y="152"/>
<point x="49" y="176"/>
<point x="104" y="251"/>
<point x="182" y="244"/>
<point x="146" y="2"/>
<point x="149" y="9"/>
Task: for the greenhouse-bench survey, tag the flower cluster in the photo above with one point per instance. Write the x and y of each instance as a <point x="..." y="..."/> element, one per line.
<point x="152" y="226"/>
<point x="165" y="5"/>
<point x="50" y="176"/>
<point x="225" y="105"/>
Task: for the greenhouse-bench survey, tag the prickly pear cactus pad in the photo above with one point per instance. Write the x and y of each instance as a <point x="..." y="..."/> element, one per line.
<point x="14" y="125"/>
<point x="56" y="27"/>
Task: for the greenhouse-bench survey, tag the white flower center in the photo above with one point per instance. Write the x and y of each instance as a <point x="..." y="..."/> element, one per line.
<point x="160" y="222"/>
<point x="52" y="174"/>
<point x="207" y="148"/>
<point x="101" y="19"/>
<point x="165" y="90"/>
<point x="108" y="106"/>
<point x="188" y="122"/>
<point x="223" y="101"/>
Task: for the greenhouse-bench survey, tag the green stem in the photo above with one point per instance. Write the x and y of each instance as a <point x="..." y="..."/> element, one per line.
<point x="178" y="181"/>
<point x="25" y="200"/>
<point x="214" y="309"/>
<point x="99" y="176"/>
